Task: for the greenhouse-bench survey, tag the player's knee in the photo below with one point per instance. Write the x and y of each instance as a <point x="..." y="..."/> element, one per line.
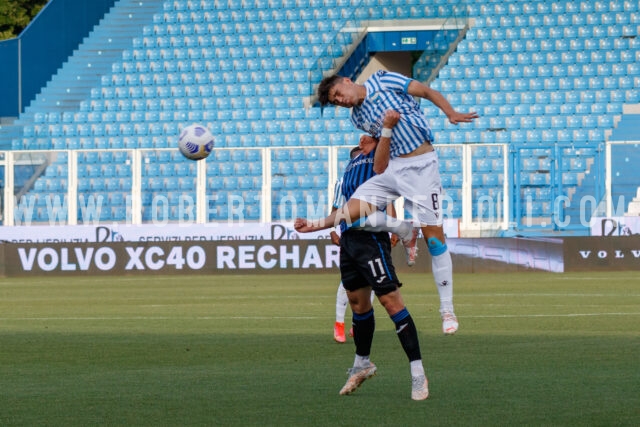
<point x="436" y="247"/>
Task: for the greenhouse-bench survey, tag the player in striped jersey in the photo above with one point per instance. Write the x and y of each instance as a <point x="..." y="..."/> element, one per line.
<point x="366" y="267"/>
<point x="406" y="163"/>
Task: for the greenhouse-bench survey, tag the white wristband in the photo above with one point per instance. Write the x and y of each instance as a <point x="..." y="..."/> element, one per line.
<point x="386" y="133"/>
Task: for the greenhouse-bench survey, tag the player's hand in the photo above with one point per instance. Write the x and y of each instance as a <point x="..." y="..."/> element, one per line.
<point x="455" y="117"/>
<point x="302" y="225"/>
<point x="335" y="239"/>
<point x="367" y="143"/>
<point x="391" y="118"/>
<point x="394" y="240"/>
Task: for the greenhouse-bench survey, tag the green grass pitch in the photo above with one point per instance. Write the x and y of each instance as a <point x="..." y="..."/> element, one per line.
<point x="533" y="349"/>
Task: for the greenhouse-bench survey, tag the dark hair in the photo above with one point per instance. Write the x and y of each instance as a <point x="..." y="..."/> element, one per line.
<point x="354" y="150"/>
<point x="325" y="86"/>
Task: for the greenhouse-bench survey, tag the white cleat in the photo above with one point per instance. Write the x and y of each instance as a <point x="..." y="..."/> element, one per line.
<point x="356" y="377"/>
<point x="419" y="387"/>
<point x="449" y="323"/>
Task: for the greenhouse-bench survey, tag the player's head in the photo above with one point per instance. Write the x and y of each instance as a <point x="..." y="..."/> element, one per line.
<point x="325" y="87"/>
<point x="338" y="90"/>
<point x="355" y="151"/>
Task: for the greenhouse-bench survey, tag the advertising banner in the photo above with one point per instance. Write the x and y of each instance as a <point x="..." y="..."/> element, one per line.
<point x="261" y="256"/>
<point x="602" y="253"/>
<point x="615" y="226"/>
<point x="506" y="254"/>
<point x="207" y="257"/>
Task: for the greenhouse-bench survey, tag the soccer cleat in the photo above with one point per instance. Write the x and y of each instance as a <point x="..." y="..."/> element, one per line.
<point x="449" y="323"/>
<point x="338" y="332"/>
<point x="411" y="247"/>
<point x="357" y="377"/>
<point x="419" y="387"/>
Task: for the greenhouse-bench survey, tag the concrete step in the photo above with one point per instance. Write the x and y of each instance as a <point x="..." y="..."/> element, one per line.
<point x="95" y="56"/>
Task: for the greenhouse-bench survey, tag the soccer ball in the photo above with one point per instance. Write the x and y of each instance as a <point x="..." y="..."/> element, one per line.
<point x="195" y="142"/>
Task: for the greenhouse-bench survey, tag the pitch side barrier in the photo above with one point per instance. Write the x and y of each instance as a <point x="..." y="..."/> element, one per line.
<point x="309" y="256"/>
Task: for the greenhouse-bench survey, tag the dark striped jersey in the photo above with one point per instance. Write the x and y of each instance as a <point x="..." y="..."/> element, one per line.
<point x="358" y="170"/>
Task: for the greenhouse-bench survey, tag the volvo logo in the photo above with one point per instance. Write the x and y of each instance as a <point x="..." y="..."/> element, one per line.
<point x="617" y="253"/>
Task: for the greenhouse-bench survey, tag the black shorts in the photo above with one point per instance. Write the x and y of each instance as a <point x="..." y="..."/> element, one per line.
<point x="365" y="260"/>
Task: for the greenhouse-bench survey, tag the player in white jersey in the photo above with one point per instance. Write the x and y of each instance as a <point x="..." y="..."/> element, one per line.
<point x="385" y="107"/>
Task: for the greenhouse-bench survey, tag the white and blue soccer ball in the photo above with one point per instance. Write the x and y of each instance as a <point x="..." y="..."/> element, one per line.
<point x="195" y="142"/>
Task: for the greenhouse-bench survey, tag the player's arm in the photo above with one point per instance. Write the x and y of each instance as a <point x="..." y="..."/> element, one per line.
<point x="436" y="98"/>
<point x="302" y="225"/>
<point x="335" y="239"/>
<point x="338" y="200"/>
<point x="348" y="213"/>
<point x="383" y="151"/>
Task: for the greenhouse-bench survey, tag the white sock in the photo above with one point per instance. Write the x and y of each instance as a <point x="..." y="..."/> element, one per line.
<point x="361" y="361"/>
<point x="379" y="221"/>
<point x="443" y="275"/>
<point x="416" y="368"/>
<point x="341" y="303"/>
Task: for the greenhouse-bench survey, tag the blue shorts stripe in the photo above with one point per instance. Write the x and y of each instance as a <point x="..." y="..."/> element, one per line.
<point x="384" y="260"/>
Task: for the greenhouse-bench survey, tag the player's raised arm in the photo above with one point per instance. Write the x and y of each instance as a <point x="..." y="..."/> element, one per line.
<point x="383" y="152"/>
<point x="423" y="91"/>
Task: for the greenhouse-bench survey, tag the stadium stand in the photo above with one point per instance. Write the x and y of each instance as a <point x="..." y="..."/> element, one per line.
<point x="549" y="79"/>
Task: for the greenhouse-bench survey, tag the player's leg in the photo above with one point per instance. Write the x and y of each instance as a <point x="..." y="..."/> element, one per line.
<point x="341" y="307"/>
<point x="363" y="208"/>
<point x="359" y="294"/>
<point x="380" y="221"/>
<point x="441" y="265"/>
<point x="355" y="209"/>
<point x="442" y="269"/>
<point x="364" y="325"/>
<point x="375" y="264"/>
<point x="349" y="213"/>
<point x="380" y="191"/>
<point x="408" y="335"/>
<point x="405" y="327"/>
<point x="386" y="288"/>
<point x="372" y="298"/>
<point x="425" y="204"/>
<point x="368" y="198"/>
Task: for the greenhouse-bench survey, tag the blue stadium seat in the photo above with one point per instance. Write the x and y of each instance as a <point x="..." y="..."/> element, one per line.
<point x="245" y="182"/>
<point x="277" y="182"/>
<point x="83" y="185"/>
<point x="570" y="178"/>
<point x="98" y="184"/>
<point x="230" y="182"/>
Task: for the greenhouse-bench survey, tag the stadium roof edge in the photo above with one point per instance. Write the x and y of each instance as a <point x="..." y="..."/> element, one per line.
<point x="415" y="25"/>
